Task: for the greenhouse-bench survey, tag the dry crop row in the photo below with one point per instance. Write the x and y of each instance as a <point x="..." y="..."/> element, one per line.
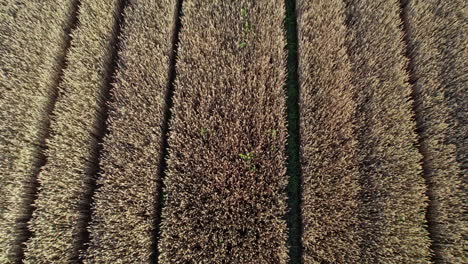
<point x="226" y="169"/>
<point x="33" y="40"/>
<point x="330" y="185"/>
<point x="66" y="180"/>
<point x="124" y="216"/>
<point x="436" y="93"/>
<point x="393" y="228"/>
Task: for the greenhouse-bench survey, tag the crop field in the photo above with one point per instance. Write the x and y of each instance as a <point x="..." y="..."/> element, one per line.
<point x="267" y="131"/>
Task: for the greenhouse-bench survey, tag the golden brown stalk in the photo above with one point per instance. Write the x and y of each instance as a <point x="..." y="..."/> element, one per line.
<point x="454" y="31"/>
<point x="453" y="43"/>
<point x="124" y="216"/>
<point x="226" y="169"/>
<point x="66" y="180"/>
<point x="437" y="70"/>
<point x="393" y="188"/>
<point x="33" y="42"/>
<point x="328" y="151"/>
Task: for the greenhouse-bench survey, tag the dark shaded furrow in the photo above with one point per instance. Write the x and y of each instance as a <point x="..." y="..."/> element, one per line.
<point x="293" y="144"/>
<point x="165" y="131"/>
<point x="429" y="191"/>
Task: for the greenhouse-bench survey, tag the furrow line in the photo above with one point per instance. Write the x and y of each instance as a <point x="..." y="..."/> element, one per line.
<point x="67" y="180"/>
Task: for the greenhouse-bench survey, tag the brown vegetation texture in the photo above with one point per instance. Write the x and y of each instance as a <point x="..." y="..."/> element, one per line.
<point x="141" y="131"/>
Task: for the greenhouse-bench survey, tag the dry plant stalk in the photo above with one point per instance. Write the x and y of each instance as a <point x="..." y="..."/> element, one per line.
<point x="393" y="187"/>
<point x="66" y="180"/>
<point x="436" y="50"/>
<point x="330" y="185"/>
<point x="226" y="179"/>
<point x="124" y="206"/>
<point x="33" y="41"/>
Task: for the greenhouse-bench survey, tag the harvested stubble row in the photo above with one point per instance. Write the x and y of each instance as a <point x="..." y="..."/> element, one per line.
<point x="29" y="72"/>
<point x="226" y="169"/>
<point x="66" y="180"/>
<point x="393" y="226"/>
<point x="439" y="112"/>
<point x="330" y="185"/>
<point x="124" y="206"/>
